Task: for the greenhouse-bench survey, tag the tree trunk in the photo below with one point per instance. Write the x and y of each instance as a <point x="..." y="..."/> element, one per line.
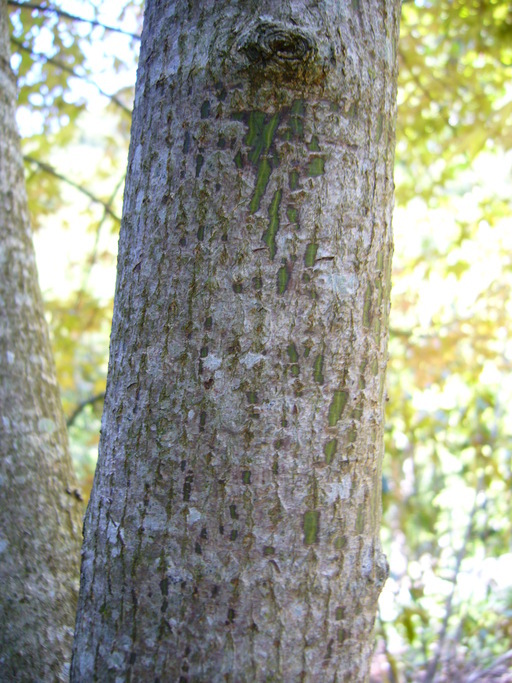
<point x="233" y="528"/>
<point x="39" y="512"/>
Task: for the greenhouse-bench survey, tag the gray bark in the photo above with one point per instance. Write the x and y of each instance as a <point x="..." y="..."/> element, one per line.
<point x="233" y="527"/>
<point x="39" y="513"/>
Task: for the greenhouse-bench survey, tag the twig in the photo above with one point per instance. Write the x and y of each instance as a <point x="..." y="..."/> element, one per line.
<point x="88" y="402"/>
<point x="64" y="67"/>
<point x="94" y="253"/>
<point x="502" y="659"/>
<point x="49" y="169"/>
<point x="73" y="17"/>
<point x="432" y="667"/>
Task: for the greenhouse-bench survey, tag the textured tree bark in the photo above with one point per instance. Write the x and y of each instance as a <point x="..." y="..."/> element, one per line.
<point x="40" y="517"/>
<point x="233" y="528"/>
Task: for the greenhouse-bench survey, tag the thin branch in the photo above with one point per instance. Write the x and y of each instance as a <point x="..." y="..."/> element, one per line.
<point x="502" y="659"/>
<point x="432" y="667"/>
<point x="73" y="17"/>
<point x="81" y="406"/>
<point x="405" y="334"/>
<point x="94" y="254"/>
<point x="51" y="171"/>
<point x="64" y="67"/>
<point x="425" y="90"/>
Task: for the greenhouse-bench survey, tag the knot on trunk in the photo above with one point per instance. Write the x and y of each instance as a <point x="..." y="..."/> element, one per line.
<point x="275" y="50"/>
<point x="271" y="42"/>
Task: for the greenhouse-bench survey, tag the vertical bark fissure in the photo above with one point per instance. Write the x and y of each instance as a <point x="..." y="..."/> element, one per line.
<point x="249" y="295"/>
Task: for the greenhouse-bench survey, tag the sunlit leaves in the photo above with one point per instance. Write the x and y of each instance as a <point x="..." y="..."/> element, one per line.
<point x="454" y="89"/>
<point x="448" y="471"/>
<point x="80" y="326"/>
<point x="57" y="63"/>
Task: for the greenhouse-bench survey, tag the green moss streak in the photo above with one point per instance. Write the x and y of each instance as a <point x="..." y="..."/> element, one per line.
<point x="200" y="233"/>
<point x="293" y="181"/>
<point x="264" y="171"/>
<point x="330" y="450"/>
<point x="313" y="145"/>
<point x="379" y="292"/>
<point x="362" y="381"/>
<point x="293" y="355"/>
<point x="297" y="118"/>
<point x="360" y="520"/>
<point x="269" y="131"/>
<point x="318" y="367"/>
<point x="311" y="525"/>
<point x="337" y="406"/>
<point x="252" y="397"/>
<point x="199" y="164"/>
<point x="380" y="126"/>
<point x="246" y="477"/>
<point x="260" y="137"/>
<point x="186" y="143"/>
<point x="187" y="488"/>
<point x="257" y="282"/>
<point x="283" y="278"/>
<point x="256" y="121"/>
<point x="367" y="307"/>
<point x="269" y="236"/>
<point x="261" y="134"/>
<point x="376" y="329"/>
<point x="357" y="413"/>
<point x="316" y="166"/>
<point x="205" y="110"/>
<point x="291" y="213"/>
<point x="375" y="367"/>
<point x="310" y="255"/>
<point x="291" y="350"/>
<point x="268" y="550"/>
<point x="238" y="160"/>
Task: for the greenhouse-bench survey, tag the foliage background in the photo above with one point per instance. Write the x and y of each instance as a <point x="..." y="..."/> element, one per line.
<point x="446" y="611"/>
